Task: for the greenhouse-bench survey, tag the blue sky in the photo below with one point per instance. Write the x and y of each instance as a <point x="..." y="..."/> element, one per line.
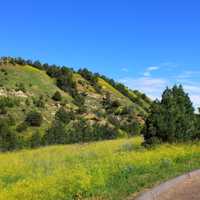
<point x="145" y="44"/>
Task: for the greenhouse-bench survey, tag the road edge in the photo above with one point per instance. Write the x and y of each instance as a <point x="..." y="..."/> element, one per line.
<point x="156" y="191"/>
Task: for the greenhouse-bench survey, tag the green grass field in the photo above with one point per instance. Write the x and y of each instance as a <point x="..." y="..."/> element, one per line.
<point x="103" y="170"/>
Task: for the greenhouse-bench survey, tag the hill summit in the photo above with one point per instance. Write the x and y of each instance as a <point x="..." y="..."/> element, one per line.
<point x="43" y="104"/>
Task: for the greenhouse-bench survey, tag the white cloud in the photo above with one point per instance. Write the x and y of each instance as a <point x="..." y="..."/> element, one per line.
<point x="153" y="68"/>
<point x="194" y="93"/>
<point x="196" y="100"/>
<point x="150" y="69"/>
<point x="154" y="86"/>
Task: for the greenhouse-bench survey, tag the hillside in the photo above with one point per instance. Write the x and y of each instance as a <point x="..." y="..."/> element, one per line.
<point x="96" y="106"/>
<point x="109" y="170"/>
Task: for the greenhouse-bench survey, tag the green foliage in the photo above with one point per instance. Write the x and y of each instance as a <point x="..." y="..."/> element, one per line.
<point x="34" y="118"/>
<point x="56" y="134"/>
<point x="92" y="78"/>
<point x="8" y="138"/>
<point x="197" y="125"/>
<point x="83" y="118"/>
<point x="22" y="127"/>
<point x="20" y="87"/>
<point x="64" y="78"/>
<point x="57" y="96"/>
<point x="139" y="98"/>
<point x="7" y="102"/>
<point x="35" y="140"/>
<point x="39" y="102"/>
<point x="172" y="119"/>
<point x="66" y="129"/>
<point x="109" y="104"/>
<point x="64" y="116"/>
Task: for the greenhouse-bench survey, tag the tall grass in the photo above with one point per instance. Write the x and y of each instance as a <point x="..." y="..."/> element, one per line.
<point x="103" y="170"/>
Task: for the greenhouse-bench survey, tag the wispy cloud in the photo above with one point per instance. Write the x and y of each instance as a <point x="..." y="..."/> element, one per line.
<point x="148" y="85"/>
<point x="188" y="74"/>
<point x="124" y="69"/>
<point x="150" y="69"/>
<point x="153" y="84"/>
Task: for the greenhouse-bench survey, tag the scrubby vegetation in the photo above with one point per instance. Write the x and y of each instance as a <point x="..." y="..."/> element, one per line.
<point x="51" y="104"/>
<point x="104" y="170"/>
<point x="82" y="106"/>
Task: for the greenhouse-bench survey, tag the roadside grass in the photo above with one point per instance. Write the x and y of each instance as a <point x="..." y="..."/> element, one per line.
<point x="102" y="170"/>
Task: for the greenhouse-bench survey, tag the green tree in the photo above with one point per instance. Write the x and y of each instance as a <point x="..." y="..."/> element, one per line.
<point x="56" y="134"/>
<point x="171" y="119"/>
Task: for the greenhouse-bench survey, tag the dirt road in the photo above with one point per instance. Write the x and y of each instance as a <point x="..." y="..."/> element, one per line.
<point x="187" y="190"/>
<point x="186" y="187"/>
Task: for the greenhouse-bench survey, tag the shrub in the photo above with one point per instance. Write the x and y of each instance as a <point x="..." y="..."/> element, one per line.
<point x="20" y="87"/>
<point x="8" y="138"/>
<point x="21" y="127"/>
<point x="64" y="116"/>
<point x="7" y="102"/>
<point x="40" y="103"/>
<point x="56" y="134"/>
<point x="34" y="118"/>
<point x="57" y="96"/>
<point x="35" y="140"/>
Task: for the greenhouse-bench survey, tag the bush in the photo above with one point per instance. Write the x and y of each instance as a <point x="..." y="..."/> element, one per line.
<point x="8" y="139"/>
<point x="40" y="103"/>
<point x="7" y="102"/>
<point x="34" y="118"/>
<point x="35" y="140"/>
<point x="21" y="127"/>
<point x="64" y="116"/>
<point x="20" y="87"/>
<point x="56" y="134"/>
<point x="57" y="96"/>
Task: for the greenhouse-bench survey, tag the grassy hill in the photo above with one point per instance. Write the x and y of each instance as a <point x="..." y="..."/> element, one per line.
<point x="104" y="170"/>
<point x="90" y="98"/>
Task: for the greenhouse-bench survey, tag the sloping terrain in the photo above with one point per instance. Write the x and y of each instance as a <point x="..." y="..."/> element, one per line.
<point x="30" y="85"/>
<point x="27" y="86"/>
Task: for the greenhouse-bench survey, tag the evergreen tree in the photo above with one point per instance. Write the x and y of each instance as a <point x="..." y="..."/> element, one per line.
<point x="57" y="134"/>
<point x="171" y="119"/>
